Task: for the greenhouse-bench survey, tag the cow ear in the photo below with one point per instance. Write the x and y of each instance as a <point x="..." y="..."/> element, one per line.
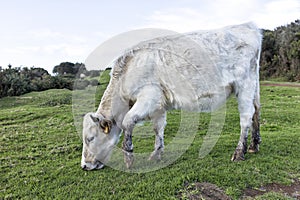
<point x="95" y="119"/>
<point x="106" y="125"/>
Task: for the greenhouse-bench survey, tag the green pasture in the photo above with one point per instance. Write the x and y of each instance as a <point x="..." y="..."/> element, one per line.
<point x="40" y="152"/>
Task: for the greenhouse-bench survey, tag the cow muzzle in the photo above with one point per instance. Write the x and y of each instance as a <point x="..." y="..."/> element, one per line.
<point x="92" y="166"/>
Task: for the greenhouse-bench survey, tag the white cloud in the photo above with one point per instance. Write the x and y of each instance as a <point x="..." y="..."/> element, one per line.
<point x="44" y="33"/>
<point x="173" y="19"/>
<point x="179" y="19"/>
<point x="44" y="56"/>
<point x="277" y="13"/>
<point x="46" y="48"/>
<point x="214" y="14"/>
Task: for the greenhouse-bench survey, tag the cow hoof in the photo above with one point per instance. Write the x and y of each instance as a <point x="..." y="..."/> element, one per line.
<point x="238" y="155"/>
<point x="128" y="159"/>
<point x="254" y="148"/>
<point x="155" y="155"/>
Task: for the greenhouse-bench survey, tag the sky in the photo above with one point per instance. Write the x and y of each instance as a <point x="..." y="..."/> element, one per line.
<point x="44" y="33"/>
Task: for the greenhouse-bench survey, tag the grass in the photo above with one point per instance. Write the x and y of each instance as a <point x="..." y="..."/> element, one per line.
<point x="40" y="152"/>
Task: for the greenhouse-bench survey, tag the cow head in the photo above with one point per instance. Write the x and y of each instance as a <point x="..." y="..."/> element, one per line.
<point x="99" y="136"/>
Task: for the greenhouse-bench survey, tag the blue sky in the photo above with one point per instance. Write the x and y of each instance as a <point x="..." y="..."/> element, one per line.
<point x="43" y="33"/>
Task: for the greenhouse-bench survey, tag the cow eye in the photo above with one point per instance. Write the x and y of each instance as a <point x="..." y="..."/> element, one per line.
<point x="89" y="139"/>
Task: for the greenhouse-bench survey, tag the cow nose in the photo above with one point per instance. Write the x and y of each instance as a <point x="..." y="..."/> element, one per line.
<point x="84" y="167"/>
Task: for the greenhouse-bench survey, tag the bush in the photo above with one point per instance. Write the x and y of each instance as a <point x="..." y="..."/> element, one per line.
<point x="280" y="57"/>
<point x="81" y="84"/>
<point x="94" y="82"/>
<point x="17" y="81"/>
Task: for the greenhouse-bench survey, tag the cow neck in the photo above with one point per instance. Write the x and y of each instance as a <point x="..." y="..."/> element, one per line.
<point x="105" y="107"/>
<point x="106" y="101"/>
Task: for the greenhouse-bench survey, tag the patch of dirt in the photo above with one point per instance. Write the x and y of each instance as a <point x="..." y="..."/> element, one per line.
<point x="292" y="190"/>
<point x="199" y="191"/>
<point x="208" y="191"/>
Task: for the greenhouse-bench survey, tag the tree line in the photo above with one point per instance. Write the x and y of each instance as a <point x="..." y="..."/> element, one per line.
<point x="15" y="81"/>
<point x="280" y="56"/>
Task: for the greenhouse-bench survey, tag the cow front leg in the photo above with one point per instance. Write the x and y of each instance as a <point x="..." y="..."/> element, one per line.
<point x="127" y="146"/>
<point x="146" y="105"/>
<point x="138" y="112"/>
<point x="159" y="123"/>
<point x="128" y="149"/>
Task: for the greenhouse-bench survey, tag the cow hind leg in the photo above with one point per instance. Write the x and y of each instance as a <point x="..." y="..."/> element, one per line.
<point x="241" y="148"/>
<point x="159" y="123"/>
<point x="256" y="140"/>
<point x="247" y="110"/>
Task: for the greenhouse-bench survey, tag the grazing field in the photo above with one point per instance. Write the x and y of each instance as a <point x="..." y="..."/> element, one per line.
<point x="40" y="153"/>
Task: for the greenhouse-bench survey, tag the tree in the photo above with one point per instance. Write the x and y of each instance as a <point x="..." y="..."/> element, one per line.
<point x="64" y="68"/>
<point x="68" y="68"/>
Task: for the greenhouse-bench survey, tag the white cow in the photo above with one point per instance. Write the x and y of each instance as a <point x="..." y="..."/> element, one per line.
<point x="195" y="71"/>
